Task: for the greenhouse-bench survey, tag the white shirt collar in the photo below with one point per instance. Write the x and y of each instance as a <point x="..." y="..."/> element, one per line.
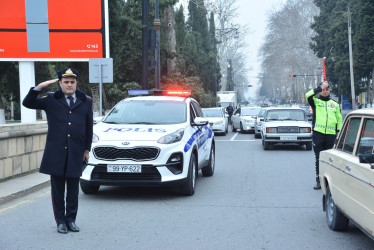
<point x="74" y="97"/>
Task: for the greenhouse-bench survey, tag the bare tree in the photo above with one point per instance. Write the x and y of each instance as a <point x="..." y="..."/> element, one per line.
<point x="286" y="52"/>
<point x="231" y="44"/>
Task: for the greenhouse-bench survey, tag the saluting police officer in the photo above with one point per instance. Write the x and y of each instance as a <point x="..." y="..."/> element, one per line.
<point x="327" y="122"/>
<point x="69" y="138"/>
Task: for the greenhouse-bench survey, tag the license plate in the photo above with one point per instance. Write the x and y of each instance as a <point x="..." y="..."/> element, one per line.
<point x="124" y="169"/>
<point x="288" y="138"/>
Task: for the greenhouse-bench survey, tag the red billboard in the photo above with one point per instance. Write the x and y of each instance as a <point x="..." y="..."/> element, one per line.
<point x="75" y="30"/>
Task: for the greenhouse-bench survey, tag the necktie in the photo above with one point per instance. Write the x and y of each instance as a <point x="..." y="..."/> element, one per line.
<point x="71" y="99"/>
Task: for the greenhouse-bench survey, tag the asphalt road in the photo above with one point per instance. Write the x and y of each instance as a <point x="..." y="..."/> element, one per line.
<point x="255" y="200"/>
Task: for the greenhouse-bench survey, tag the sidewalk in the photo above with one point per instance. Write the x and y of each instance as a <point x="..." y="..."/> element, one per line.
<point x="22" y="185"/>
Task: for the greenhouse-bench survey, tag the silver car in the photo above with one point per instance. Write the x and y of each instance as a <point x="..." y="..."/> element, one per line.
<point x="286" y="126"/>
<point x="244" y="119"/>
<point x="258" y="122"/>
<point x="217" y="120"/>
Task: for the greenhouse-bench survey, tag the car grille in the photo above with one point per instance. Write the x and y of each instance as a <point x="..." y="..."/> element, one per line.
<point x="135" y="154"/>
<point x="148" y="174"/>
<point x="288" y="129"/>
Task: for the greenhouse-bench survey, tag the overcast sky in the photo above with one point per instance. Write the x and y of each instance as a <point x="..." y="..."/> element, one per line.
<point x="254" y="14"/>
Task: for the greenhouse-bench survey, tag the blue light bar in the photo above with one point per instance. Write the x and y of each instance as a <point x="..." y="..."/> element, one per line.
<point x="138" y="92"/>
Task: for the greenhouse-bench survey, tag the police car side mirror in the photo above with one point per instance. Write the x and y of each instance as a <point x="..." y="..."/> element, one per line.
<point x="200" y="121"/>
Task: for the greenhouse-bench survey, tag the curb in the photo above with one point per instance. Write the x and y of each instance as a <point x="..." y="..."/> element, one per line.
<point x="24" y="192"/>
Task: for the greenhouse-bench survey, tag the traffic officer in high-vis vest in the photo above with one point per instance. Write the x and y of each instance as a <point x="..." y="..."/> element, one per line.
<point x="69" y="138"/>
<point x="327" y="122"/>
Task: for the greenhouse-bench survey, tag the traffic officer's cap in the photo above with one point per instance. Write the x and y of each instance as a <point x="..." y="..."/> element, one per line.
<point x="69" y="72"/>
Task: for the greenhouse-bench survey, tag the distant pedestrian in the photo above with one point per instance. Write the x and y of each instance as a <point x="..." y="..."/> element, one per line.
<point x="327" y="122"/>
<point x="69" y="138"/>
<point x="230" y="111"/>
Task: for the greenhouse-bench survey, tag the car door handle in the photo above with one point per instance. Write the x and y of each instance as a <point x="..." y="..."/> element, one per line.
<point x="331" y="160"/>
<point x="348" y="167"/>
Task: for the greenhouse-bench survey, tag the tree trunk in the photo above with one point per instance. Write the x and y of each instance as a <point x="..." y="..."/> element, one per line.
<point x="169" y="22"/>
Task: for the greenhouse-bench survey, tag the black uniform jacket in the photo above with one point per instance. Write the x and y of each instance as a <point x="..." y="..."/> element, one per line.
<point x="69" y="131"/>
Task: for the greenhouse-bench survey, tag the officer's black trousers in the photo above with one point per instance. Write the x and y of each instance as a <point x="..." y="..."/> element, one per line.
<point x="62" y="213"/>
<point x="321" y="142"/>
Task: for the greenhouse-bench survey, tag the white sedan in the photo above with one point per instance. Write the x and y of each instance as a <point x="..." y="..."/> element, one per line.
<point x="244" y="119"/>
<point x="217" y="120"/>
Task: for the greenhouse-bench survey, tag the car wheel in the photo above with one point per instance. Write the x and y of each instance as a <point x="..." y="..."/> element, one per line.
<point x="336" y="220"/>
<point x="241" y="128"/>
<point x="209" y="170"/>
<point x="309" y="145"/>
<point x="188" y="188"/>
<point x="257" y="135"/>
<point x="265" y="145"/>
<point x="233" y="127"/>
<point x="89" y="189"/>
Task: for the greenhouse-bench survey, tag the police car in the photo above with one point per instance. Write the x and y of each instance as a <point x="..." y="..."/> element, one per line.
<point x="152" y="138"/>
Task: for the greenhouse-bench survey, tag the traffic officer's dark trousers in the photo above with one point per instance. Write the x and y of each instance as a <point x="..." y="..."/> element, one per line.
<point x="321" y="142"/>
<point x="58" y="198"/>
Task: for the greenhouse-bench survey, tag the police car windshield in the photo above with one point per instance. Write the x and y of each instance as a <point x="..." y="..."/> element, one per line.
<point x="212" y="113"/>
<point x="286" y="114"/>
<point x="148" y="112"/>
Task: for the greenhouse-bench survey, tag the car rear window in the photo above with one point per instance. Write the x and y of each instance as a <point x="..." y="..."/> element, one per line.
<point x="366" y="145"/>
<point x="349" y="135"/>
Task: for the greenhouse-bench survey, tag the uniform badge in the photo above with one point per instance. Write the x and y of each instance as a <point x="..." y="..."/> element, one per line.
<point x="332" y="105"/>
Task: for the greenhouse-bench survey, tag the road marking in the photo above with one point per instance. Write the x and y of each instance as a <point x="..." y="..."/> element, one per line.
<point x="16" y="205"/>
<point x="46" y="193"/>
<point x="232" y="138"/>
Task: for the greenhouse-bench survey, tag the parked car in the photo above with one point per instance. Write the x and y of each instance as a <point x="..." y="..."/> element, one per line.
<point x="258" y="122"/>
<point x="285" y="125"/>
<point x="347" y="174"/>
<point x="155" y="138"/>
<point x="217" y="120"/>
<point x="244" y="119"/>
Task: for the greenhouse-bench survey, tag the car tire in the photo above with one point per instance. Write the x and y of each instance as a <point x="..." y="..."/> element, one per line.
<point x="257" y="135"/>
<point x="233" y="127"/>
<point x="241" y="128"/>
<point x="265" y="145"/>
<point x="188" y="188"/>
<point x="336" y="220"/>
<point x="309" y="145"/>
<point x="209" y="170"/>
<point x="88" y="188"/>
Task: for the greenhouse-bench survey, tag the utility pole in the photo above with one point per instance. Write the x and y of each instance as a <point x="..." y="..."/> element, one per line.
<point x="145" y="21"/>
<point x="351" y="61"/>
<point x="157" y="24"/>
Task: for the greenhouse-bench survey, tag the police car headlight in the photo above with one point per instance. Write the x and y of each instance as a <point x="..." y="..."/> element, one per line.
<point x="172" y="138"/>
<point x="305" y="130"/>
<point x="95" y="138"/>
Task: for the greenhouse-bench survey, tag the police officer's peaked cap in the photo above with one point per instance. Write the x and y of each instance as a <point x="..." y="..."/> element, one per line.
<point x="69" y="72"/>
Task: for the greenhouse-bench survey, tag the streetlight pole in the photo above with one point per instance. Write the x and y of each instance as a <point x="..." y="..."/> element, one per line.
<point x="351" y="61"/>
<point x="157" y="24"/>
<point x="145" y="20"/>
